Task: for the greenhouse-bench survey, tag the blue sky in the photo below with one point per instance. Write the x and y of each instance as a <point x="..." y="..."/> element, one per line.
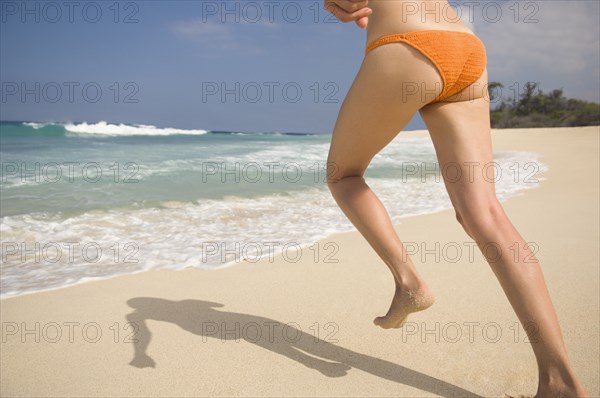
<point x="283" y="65"/>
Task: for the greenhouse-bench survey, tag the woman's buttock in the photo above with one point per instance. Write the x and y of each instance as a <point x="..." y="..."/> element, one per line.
<point x="433" y="29"/>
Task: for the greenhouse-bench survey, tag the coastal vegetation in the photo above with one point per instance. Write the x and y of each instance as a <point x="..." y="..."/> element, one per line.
<point x="534" y="108"/>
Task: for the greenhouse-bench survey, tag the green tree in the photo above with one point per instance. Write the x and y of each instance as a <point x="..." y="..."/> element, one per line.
<point x="537" y="109"/>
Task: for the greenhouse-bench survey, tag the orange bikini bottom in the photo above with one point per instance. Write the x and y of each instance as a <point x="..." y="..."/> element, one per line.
<point x="459" y="57"/>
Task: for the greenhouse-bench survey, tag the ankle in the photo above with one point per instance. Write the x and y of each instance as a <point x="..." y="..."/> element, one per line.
<point x="557" y="376"/>
<point x="409" y="280"/>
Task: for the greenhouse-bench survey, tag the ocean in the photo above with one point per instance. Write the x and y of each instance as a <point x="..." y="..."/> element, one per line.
<point x="83" y="201"/>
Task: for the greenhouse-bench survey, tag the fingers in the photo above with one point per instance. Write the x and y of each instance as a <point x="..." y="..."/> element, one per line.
<point x="362" y="22"/>
<point x="349" y="10"/>
<point x="351" y="5"/>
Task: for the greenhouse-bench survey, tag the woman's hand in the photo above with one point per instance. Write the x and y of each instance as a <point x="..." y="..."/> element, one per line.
<point x="350" y="10"/>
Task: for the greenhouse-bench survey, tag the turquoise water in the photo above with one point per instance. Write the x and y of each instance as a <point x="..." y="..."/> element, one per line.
<point x="47" y="168"/>
<point x="84" y="201"/>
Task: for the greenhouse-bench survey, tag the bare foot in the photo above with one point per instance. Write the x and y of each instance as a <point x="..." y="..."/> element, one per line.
<point x="406" y="300"/>
<point x="561" y="390"/>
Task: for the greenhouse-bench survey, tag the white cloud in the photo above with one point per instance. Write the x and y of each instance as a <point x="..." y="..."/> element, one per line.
<point x="558" y="46"/>
<point x="215" y="36"/>
<point x="199" y="29"/>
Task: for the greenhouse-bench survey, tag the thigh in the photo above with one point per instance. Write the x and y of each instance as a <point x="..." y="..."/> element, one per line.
<point x="377" y="106"/>
<point x="461" y="135"/>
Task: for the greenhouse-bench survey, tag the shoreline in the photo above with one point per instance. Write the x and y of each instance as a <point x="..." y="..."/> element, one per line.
<point x="277" y="253"/>
<point x="333" y="303"/>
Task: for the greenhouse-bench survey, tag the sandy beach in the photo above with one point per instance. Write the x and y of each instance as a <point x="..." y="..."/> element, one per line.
<point x="303" y="326"/>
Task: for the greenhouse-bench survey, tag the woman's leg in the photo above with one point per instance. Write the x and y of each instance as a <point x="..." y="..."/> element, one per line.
<point x="373" y="113"/>
<point x="461" y="135"/>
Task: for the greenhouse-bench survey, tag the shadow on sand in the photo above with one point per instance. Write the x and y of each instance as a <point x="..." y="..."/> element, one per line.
<point x="202" y="319"/>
